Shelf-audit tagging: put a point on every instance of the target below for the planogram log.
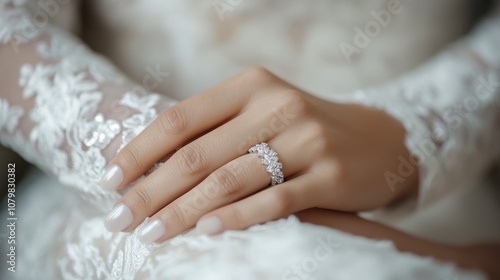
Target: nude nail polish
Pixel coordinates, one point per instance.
(209, 225)
(119, 218)
(112, 178)
(152, 231)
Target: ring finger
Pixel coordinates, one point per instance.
(234, 181)
(186, 168)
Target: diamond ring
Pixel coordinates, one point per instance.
(270, 160)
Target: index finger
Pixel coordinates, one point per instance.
(176, 126)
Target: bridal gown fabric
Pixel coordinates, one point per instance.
(68, 111)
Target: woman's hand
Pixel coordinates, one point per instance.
(334, 156)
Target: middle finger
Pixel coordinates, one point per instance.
(186, 168)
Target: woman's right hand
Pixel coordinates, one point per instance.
(333, 156)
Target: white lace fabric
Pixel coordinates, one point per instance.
(67, 129)
(69, 111)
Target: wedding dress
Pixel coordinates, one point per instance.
(68, 111)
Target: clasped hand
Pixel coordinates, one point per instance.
(334, 157)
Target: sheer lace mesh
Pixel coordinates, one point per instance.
(450, 108)
(69, 111)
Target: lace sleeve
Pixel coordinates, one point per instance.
(450, 108)
(62, 107)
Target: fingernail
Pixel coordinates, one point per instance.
(112, 178)
(209, 225)
(119, 218)
(153, 230)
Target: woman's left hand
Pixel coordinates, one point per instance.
(334, 156)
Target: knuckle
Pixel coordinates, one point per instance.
(319, 137)
(293, 101)
(129, 158)
(177, 214)
(334, 172)
(173, 120)
(191, 159)
(229, 180)
(259, 73)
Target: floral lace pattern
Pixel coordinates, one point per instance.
(66, 97)
(13, 15)
(137, 122)
(65, 120)
(66, 132)
(455, 140)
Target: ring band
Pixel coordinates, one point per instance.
(270, 160)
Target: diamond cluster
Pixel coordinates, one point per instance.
(271, 161)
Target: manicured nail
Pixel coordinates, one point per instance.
(119, 218)
(209, 225)
(112, 178)
(153, 230)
